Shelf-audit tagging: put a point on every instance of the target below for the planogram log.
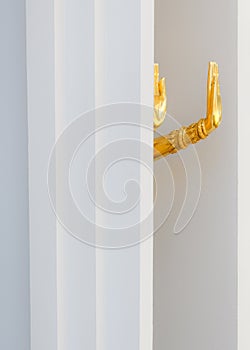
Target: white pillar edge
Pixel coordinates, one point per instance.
(243, 176)
(132, 301)
(41, 137)
(59, 83)
(147, 136)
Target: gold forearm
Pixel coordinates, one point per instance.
(179, 139)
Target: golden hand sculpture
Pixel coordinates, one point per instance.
(160, 98)
(183, 137)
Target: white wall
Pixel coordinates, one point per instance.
(14, 247)
(243, 175)
(195, 305)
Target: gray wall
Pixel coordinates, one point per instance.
(14, 247)
(195, 271)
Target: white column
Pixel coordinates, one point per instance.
(82, 54)
(124, 73)
(60, 67)
(74, 95)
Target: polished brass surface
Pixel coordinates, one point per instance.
(180, 139)
(160, 98)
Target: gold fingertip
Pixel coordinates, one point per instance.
(156, 69)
